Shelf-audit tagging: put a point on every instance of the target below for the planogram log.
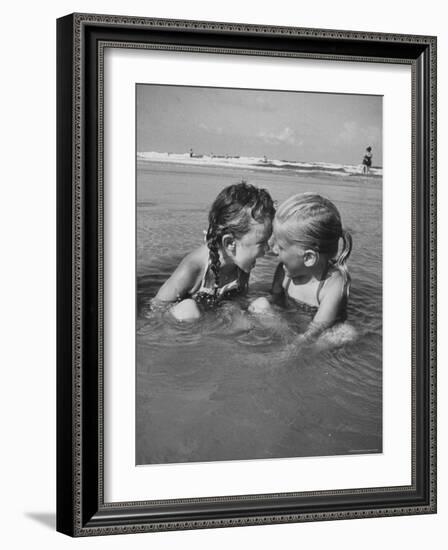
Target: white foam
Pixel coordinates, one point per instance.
(254, 163)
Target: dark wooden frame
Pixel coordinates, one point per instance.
(81, 510)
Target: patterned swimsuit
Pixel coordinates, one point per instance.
(207, 296)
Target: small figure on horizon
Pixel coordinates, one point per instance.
(367, 160)
(191, 152)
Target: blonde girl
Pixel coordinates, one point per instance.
(313, 249)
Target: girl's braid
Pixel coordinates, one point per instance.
(213, 242)
(232, 212)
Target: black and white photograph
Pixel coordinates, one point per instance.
(221, 289)
(258, 274)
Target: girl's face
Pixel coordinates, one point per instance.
(291, 255)
(252, 245)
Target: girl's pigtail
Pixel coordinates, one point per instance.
(341, 262)
(213, 246)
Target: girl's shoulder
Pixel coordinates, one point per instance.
(185, 278)
(196, 259)
(334, 284)
(191, 268)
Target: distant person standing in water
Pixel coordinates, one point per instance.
(367, 160)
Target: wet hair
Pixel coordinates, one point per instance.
(233, 211)
(314, 222)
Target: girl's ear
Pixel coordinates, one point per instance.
(228, 242)
(310, 258)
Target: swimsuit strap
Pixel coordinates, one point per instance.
(220, 290)
(204, 276)
(322, 282)
(288, 282)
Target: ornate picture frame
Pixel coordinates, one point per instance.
(81, 506)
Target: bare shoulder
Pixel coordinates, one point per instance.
(194, 261)
(191, 267)
(185, 277)
(334, 284)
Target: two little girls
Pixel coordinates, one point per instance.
(308, 239)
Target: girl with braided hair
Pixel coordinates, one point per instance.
(240, 224)
(312, 275)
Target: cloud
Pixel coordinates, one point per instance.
(287, 135)
(349, 132)
(264, 103)
(353, 133)
(212, 130)
(373, 135)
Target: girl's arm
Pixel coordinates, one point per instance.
(277, 290)
(263, 304)
(332, 298)
(277, 298)
(181, 282)
(330, 306)
(331, 302)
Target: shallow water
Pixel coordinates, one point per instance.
(224, 388)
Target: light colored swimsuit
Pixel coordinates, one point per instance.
(307, 308)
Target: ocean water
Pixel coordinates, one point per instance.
(224, 388)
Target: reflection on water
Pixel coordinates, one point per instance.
(225, 388)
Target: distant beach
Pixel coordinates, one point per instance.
(257, 163)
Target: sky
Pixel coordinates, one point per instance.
(298, 126)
